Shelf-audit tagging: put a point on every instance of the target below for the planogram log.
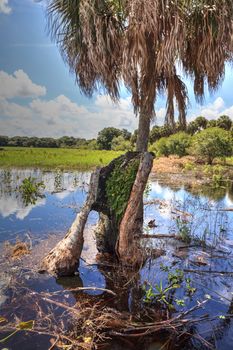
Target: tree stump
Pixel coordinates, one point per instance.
(116, 192)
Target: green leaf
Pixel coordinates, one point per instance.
(26, 325)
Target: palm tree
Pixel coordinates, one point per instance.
(142, 43)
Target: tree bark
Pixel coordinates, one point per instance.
(63, 260)
(127, 246)
(143, 132)
(142, 146)
(106, 233)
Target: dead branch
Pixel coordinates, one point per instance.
(160, 235)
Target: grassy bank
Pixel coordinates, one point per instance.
(50, 158)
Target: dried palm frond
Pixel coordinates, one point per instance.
(107, 42)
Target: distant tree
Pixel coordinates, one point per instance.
(212, 143)
(119, 143)
(66, 141)
(105, 137)
(166, 131)
(33, 142)
(198, 124)
(201, 122)
(80, 143)
(192, 128)
(212, 123)
(224, 122)
(126, 134)
(92, 144)
(155, 134)
(134, 137)
(16, 141)
(47, 142)
(4, 140)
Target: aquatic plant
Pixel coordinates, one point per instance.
(58, 181)
(183, 230)
(159, 292)
(30, 190)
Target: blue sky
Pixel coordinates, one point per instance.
(38, 96)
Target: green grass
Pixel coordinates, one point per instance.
(229, 161)
(50, 158)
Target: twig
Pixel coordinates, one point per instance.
(159, 235)
(54, 343)
(209, 271)
(64, 306)
(78, 289)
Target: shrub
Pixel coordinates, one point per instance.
(212, 143)
(175, 144)
(179, 143)
(160, 147)
(189, 166)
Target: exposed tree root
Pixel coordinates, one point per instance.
(64, 258)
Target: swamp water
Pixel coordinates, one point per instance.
(200, 265)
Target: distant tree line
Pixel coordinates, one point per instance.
(119, 139)
(48, 142)
(108, 138)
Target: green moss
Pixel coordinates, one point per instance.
(119, 185)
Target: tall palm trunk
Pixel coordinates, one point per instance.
(131, 225)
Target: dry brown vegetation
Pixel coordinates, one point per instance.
(171, 164)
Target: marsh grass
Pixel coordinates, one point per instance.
(50, 158)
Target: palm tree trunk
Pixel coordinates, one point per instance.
(143, 132)
(142, 146)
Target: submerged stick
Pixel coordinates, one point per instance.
(160, 235)
(209, 271)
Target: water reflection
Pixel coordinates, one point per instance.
(63, 193)
(62, 184)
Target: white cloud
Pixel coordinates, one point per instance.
(61, 116)
(218, 103)
(160, 116)
(4, 7)
(12, 205)
(214, 110)
(19, 85)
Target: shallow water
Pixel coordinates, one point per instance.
(205, 215)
